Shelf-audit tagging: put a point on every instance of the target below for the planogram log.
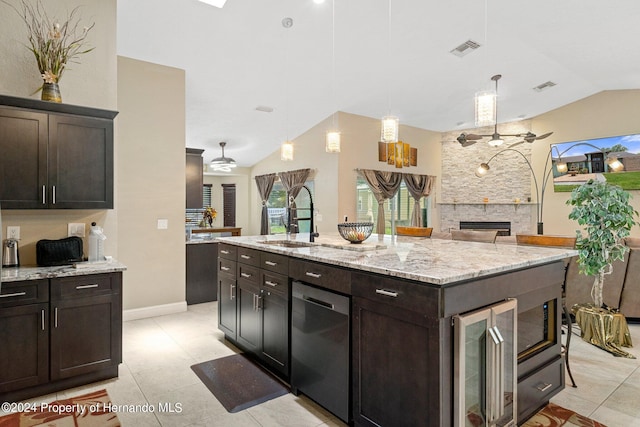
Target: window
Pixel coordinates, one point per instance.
(277, 207)
(401, 205)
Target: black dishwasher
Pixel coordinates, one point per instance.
(320, 347)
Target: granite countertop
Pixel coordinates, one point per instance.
(14, 274)
(429, 260)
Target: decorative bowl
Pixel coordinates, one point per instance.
(355, 232)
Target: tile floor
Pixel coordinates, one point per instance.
(158, 353)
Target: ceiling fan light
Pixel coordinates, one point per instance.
(495, 142)
(332, 142)
(286, 151)
(389, 131)
(222, 163)
(486, 108)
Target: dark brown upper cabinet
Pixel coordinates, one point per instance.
(194, 178)
(55, 156)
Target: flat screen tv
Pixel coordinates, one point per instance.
(576, 162)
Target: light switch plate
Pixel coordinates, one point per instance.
(163, 224)
(13, 232)
(75, 229)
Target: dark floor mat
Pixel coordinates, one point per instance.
(237, 382)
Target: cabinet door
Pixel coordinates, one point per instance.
(227, 311)
(275, 330)
(80, 162)
(23, 159)
(201, 273)
(86, 335)
(249, 316)
(396, 366)
(193, 173)
(24, 353)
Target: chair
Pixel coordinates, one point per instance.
(486, 236)
(558, 242)
(414, 231)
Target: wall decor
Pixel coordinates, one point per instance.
(398, 153)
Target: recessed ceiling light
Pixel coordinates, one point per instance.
(465, 48)
(544, 86)
(216, 3)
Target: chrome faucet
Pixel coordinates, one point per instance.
(312, 234)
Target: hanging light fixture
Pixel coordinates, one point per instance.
(332, 138)
(486, 108)
(390, 124)
(223, 164)
(286, 151)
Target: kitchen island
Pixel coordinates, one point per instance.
(406, 295)
(61, 327)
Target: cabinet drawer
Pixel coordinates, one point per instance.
(538, 387)
(410, 296)
(82, 286)
(248, 273)
(248, 256)
(274, 262)
(226, 266)
(24, 292)
(321, 275)
(276, 283)
(226, 251)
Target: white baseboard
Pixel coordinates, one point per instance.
(153, 311)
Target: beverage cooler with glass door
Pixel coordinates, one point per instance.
(485, 366)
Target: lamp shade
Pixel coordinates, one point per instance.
(286, 151)
(389, 132)
(332, 142)
(495, 142)
(486, 108)
(482, 170)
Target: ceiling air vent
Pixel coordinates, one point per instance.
(544, 86)
(465, 48)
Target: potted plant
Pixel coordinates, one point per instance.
(607, 217)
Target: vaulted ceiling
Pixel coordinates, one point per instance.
(374, 57)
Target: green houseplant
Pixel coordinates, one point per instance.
(607, 217)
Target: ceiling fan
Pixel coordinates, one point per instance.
(467, 139)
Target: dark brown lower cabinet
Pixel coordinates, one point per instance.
(394, 355)
(275, 322)
(248, 332)
(227, 309)
(59, 333)
(201, 272)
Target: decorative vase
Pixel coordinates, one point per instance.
(51, 92)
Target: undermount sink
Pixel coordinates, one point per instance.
(287, 243)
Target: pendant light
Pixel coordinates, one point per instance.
(486, 102)
(286, 148)
(390, 124)
(332, 138)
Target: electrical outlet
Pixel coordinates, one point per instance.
(75, 229)
(13, 232)
(163, 224)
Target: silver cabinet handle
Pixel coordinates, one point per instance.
(544, 387)
(231, 294)
(271, 263)
(243, 256)
(222, 251)
(246, 275)
(223, 268)
(258, 302)
(387, 293)
(54, 195)
(15, 294)
(44, 195)
(86, 286)
(55, 317)
(42, 318)
(270, 283)
(314, 275)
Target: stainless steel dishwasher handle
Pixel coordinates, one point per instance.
(318, 302)
(387, 293)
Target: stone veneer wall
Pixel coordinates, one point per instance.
(510, 178)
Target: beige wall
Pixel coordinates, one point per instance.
(607, 113)
(151, 182)
(335, 176)
(89, 83)
(241, 178)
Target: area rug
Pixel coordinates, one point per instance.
(554, 416)
(237, 382)
(88, 410)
